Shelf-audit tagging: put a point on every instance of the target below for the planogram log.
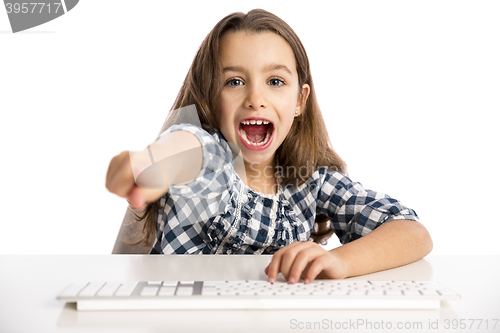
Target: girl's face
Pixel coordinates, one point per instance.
(260, 85)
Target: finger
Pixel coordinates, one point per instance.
(136, 198)
(316, 267)
(123, 181)
(302, 260)
(274, 266)
(114, 168)
(290, 255)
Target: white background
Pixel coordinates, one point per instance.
(408, 89)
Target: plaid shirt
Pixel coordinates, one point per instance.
(218, 214)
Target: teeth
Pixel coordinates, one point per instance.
(244, 136)
(253, 122)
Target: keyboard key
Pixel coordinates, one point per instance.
(412, 293)
(74, 289)
(258, 282)
(91, 289)
(126, 289)
(446, 292)
(375, 282)
(280, 283)
(170, 283)
(234, 283)
(154, 282)
(166, 291)
(406, 282)
(187, 282)
(149, 291)
(109, 289)
(209, 292)
(330, 282)
(214, 283)
(184, 291)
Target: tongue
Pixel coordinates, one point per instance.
(255, 133)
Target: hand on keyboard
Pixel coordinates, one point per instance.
(306, 260)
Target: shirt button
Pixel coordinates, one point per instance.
(262, 232)
(267, 202)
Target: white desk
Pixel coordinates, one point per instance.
(29, 285)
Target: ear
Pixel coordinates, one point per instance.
(302, 99)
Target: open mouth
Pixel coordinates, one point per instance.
(256, 132)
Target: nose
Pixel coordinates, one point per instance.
(256, 98)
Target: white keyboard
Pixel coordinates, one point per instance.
(259, 295)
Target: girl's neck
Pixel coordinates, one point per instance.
(261, 177)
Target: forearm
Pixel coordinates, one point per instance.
(394, 243)
(174, 159)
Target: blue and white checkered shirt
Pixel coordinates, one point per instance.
(218, 214)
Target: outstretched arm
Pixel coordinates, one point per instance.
(144, 176)
(392, 244)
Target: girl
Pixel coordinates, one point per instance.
(254, 97)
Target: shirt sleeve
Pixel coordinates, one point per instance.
(189, 209)
(214, 174)
(355, 211)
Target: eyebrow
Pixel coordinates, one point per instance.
(268, 68)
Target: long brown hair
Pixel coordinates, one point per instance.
(307, 143)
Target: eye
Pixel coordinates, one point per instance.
(276, 82)
(234, 82)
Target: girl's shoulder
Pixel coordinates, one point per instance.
(328, 174)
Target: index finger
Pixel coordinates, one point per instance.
(275, 265)
(122, 180)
